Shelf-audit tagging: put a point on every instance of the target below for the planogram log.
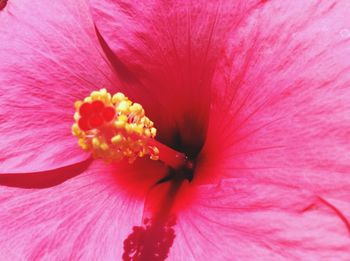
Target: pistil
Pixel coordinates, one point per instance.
(169, 156)
(113, 128)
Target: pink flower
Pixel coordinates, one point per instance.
(256, 93)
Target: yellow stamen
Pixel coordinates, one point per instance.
(124, 136)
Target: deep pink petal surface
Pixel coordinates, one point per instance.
(171, 48)
(280, 128)
(279, 124)
(287, 119)
(245, 219)
(87, 217)
(49, 58)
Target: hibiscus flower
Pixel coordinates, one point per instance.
(255, 94)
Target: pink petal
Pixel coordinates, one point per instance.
(246, 219)
(282, 107)
(49, 58)
(283, 141)
(280, 130)
(172, 49)
(87, 217)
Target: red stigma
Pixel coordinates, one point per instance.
(83, 124)
(96, 121)
(108, 113)
(97, 106)
(85, 109)
(94, 115)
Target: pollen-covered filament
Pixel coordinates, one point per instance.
(113, 128)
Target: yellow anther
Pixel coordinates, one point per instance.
(108, 98)
(88, 99)
(76, 131)
(125, 134)
(76, 116)
(138, 129)
(118, 97)
(121, 121)
(95, 95)
(123, 118)
(83, 144)
(153, 132)
(117, 139)
(77, 105)
(105, 97)
(95, 142)
(119, 124)
(123, 106)
(136, 107)
(128, 128)
(147, 133)
(104, 146)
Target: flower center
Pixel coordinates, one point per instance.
(113, 128)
